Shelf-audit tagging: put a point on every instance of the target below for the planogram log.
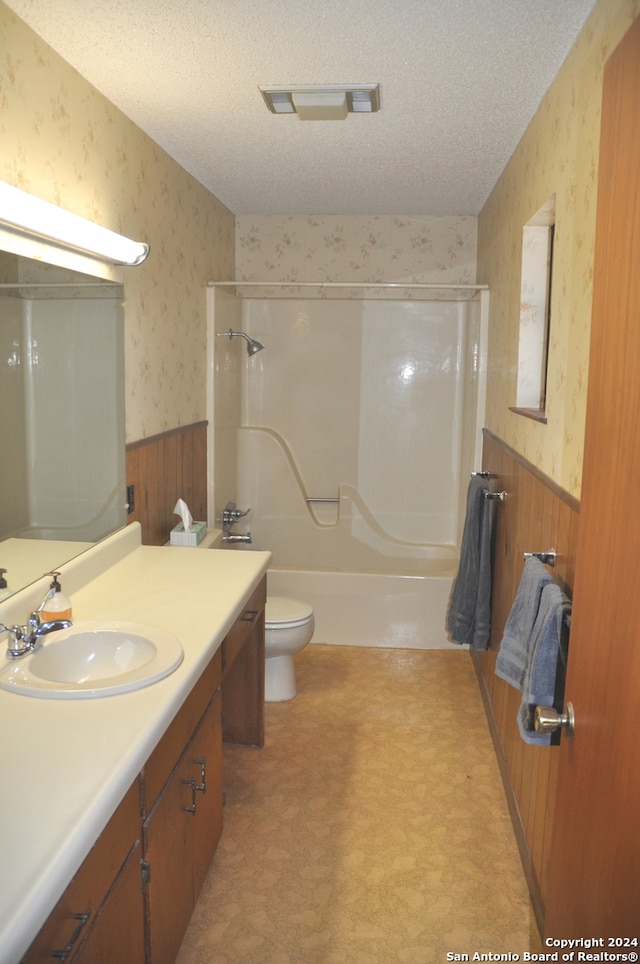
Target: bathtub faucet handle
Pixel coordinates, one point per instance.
(231, 514)
(241, 513)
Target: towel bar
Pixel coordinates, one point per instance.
(548, 558)
(482, 475)
(496, 496)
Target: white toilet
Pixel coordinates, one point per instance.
(289, 626)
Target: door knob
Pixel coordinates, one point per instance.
(548, 720)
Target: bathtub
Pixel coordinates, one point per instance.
(382, 610)
(388, 592)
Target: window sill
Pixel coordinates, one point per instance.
(537, 414)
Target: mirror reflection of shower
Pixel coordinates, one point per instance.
(253, 346)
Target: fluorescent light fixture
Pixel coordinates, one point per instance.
(320, 105)
(323, 101)
(26, 214)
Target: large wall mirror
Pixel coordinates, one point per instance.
(62, 433)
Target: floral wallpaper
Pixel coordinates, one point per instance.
(63, 141)
(360, 249)
(558, 154)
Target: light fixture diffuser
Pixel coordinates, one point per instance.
(322, 101)
(29, 215)
(320, 105)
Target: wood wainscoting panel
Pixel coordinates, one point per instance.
(163, 469)
(537, 516)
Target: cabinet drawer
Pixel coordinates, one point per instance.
(74, 914)
(164, 758)
(243, 625)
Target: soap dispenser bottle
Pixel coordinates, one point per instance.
(57, 605)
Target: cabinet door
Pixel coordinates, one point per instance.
(118, 932)
(168, 843)
(204, 756)
(181, 835)
(243, 689)
(165, 757)
(86, 899)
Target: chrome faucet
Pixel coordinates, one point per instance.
(230, 516)
(28, 638)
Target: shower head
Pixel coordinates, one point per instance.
(253, 346)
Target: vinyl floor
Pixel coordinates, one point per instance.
(372, 827)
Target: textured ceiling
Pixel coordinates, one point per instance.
(459, 79)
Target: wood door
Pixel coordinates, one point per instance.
(595, 861)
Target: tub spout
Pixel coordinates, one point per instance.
(236, 537)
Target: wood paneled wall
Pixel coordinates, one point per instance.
(538, 515)
(163, 469)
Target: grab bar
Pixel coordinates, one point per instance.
(331, 501)
(548, 558)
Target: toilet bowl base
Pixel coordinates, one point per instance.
(279, 679)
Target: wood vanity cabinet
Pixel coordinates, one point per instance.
(243, 671)
(100, 917)
(182, 811)
(134, 895)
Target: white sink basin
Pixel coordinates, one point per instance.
(94, 659)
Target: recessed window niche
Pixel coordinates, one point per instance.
(535, 312)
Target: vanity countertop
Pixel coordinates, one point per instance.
(67, 764)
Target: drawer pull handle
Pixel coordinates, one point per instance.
(192, 784)
(249, 615)
(64, 953)
(203, 775)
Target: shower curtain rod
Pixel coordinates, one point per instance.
(348, 284)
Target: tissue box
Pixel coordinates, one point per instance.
(192, 536)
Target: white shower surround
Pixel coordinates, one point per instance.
(379, 403)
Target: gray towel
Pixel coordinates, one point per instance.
(514, 655)
(540, 679)
(469, 613)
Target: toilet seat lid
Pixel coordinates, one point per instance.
(284, 611)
